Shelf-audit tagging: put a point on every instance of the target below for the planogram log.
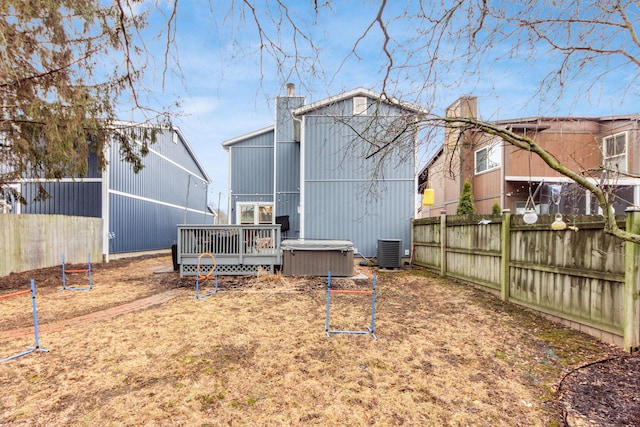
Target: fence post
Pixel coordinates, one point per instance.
(631, 313)
(505, 254)
(443, 243)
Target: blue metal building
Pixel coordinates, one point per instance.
(323, 170)
(140, 211)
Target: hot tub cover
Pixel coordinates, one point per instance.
(316, 245)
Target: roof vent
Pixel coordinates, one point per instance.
(389, 253)
(359, 105)
(291, 89)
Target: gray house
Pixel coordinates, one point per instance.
(140, 211)
(324, 170)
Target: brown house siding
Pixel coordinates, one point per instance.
(575, 141)
(487, 190)
(575, 144)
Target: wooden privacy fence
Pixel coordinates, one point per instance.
(30, 241)
(581, 277)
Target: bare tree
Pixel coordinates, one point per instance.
(430, 47)
(437, 45)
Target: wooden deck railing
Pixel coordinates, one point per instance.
(238, 249)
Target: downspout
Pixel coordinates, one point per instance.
(503, 199)
(301, 161)
(636, 147)
(415, 176)
(106, 220)
(230, 218)
(302, 176)
(275, 162)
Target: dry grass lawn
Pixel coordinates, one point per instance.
(256, 354)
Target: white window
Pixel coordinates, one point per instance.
(10, 203)
(488, 158)
(615, 152)
(254, 213)
(359, 105)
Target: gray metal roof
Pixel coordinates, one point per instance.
(182, 138)
(229, 142)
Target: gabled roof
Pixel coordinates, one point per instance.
(182, 138)
(229, 142)
(423, 175)
(433, 158)
(353, 93)
(192, 154)
(328, 101)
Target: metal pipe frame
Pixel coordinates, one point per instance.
(85, 270)
(30, 349)
(370, 329)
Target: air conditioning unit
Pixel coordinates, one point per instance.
(389, 253)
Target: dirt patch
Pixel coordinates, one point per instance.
(256, 354)
(603, 393)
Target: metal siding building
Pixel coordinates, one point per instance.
(349, 197)
(140, 211)
(67, 198)
(145, 208)
(287, 164)
(321, 178)
(251, 178)
(75, 197)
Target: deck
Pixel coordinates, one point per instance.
(238, 249)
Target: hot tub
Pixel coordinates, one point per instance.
(317, 257)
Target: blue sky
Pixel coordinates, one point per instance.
(226, 90)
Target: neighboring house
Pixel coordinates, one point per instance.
(501, 173)
(140, 211)
(322, 171)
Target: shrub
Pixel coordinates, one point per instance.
(495, 209)
(466, 205)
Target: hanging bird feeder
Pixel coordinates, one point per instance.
(530, 216)
(558, 224)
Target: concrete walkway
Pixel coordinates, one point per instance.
(96, 316)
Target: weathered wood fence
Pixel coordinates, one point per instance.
(29, 241)
(581, 277)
